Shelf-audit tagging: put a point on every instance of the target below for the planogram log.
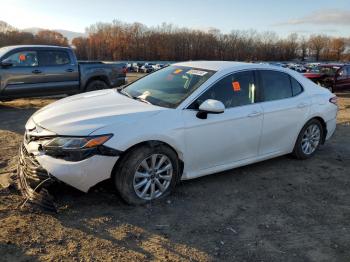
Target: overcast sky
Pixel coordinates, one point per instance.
(330, 17)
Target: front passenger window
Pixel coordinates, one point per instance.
(23, 59)
(234, 90)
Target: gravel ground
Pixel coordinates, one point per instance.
(277, 210)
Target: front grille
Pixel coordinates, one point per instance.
(31, 167)
(31, 178)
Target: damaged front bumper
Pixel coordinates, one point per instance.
(36, 171)
(31, 179)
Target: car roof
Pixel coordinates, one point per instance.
(35, 46)
(223, 65)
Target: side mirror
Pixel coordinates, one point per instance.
(210, 106)
(6, 63)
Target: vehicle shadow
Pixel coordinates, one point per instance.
(9, 250)
(146, 232)
(170, 224)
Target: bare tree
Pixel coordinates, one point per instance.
(338, 47)
(316, 44)
(303, 47)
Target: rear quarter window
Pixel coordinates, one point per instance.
(296, 87)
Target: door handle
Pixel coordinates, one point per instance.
(69, 70)
(302, 105)
(255, 114)
(36, 71)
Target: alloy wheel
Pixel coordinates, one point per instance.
(311, 139)
(153, 176)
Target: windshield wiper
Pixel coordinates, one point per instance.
(142, 100)
(121, 91)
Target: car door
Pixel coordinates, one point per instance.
(21, 79)
(59, 73)
(342, 79)
(223, 139)
(285, 108)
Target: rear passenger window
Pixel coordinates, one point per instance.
(235, 90)
(276, 85)
(53, 58)
(296, 87)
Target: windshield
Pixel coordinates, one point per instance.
(169, 86)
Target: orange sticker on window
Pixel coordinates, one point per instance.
(177, 71)
(236, 86)
(22, 57)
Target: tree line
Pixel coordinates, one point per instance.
(124, 41)
(11, 36)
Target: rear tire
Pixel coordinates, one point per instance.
(96, 85)
(309, 140)
(138, 186)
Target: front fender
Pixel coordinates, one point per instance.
(165, 126)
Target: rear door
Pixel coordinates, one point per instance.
(285, 107)
(22, 78)
(59, 73)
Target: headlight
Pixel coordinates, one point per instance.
(71, 143)
(78, 148)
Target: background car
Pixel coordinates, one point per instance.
(335, 77)
(147, 68)
(43, 70)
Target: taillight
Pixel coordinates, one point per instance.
(125, 70)
(334, 100)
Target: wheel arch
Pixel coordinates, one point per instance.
(94, 78)
(324, 126)
(150, 143)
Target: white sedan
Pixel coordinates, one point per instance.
(184, 121)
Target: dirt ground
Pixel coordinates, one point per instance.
(278, 210)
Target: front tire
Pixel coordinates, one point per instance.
(309, 140)
(147, 173)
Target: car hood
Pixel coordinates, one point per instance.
(82, 114)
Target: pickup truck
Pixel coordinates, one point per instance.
(335, 77)
(37, 70)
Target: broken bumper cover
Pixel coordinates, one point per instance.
(31, 178)
(36, 173)
(81, 175)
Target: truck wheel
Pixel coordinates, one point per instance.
(96, 85)
(147, 173)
